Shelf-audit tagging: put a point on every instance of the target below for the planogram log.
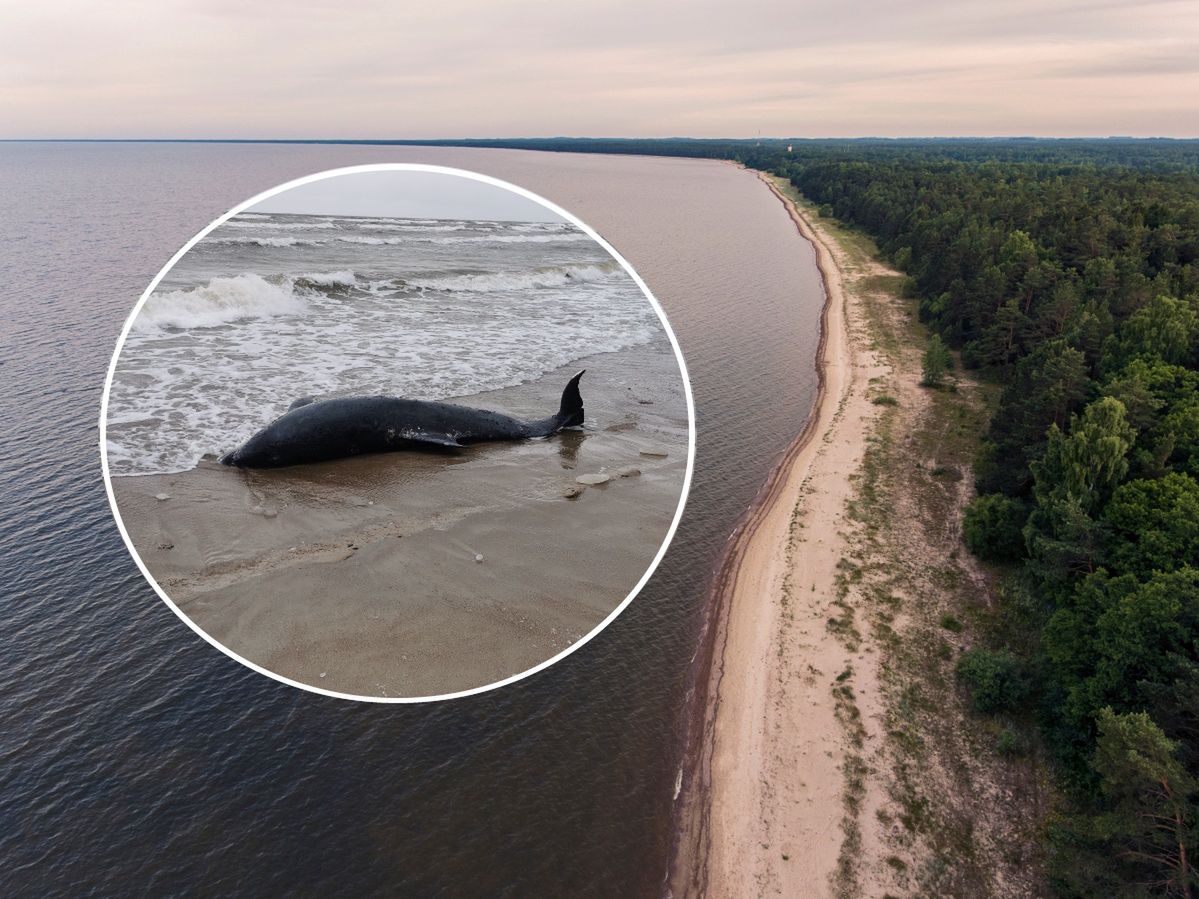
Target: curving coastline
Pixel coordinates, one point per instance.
(708, 845)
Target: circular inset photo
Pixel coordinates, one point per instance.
(397, 433)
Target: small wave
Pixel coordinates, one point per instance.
(557, 276)
(374, 241)
(323, 225)
(225, 300)
(265, 241)
(344, 278)
(564, 237)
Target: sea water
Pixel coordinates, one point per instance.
(135, 758)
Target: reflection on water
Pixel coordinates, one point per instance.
(137, 758)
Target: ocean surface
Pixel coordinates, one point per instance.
(269, 307)
(134, 758)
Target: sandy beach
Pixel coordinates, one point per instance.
(774, 762)
(361, 576)
(835, 756)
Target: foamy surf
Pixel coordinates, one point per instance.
(259, 317)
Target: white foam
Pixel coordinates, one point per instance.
(343, 278)
(322, 225)
(555, 276)
(266, 241)
(220, 301)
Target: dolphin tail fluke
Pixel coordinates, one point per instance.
(570, 412)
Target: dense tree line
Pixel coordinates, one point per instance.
(1077, 286)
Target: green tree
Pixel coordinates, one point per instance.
(1071, 483)
(1164, 328)
(1047, 387)
(1151, 819)
(1154, 524)
(1088, 464)
(937, 362)
(1117, 642)
(993, 527)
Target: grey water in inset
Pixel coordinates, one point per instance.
(420, 308)
(135, 758)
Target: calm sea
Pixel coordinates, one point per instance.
(136, 759)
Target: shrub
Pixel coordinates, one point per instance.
(993, 527)
(996, 680)
(1009, 743)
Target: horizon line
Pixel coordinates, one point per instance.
(563, 137)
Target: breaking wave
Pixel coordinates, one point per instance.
(225, 300)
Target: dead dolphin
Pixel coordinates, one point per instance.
(313, 431)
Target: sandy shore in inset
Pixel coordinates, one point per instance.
(769, 782)
(360, 576)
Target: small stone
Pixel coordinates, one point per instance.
(573, 491)
(593, 479)
(166, 546)
(270, 513)
(629, 472)
(478, 557)
(323, 673)
(162, 496)
(655, 451)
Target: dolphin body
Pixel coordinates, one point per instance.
(332, 429)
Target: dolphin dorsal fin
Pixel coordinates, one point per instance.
(302, 401)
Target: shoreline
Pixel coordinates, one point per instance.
(689, 870)
(831, 751)
(731, 751)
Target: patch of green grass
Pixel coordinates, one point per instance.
(885, 399)
(950, 623)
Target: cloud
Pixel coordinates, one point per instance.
(457, 68)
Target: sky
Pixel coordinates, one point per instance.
(408, 194)
(628, 68)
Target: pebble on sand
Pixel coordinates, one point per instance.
(572, 491)
(654, 451)
(478, 557)
(629, 472)
(162, 496)
(592, 479)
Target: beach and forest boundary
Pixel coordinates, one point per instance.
(837, 756)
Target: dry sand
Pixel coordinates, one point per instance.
(774, 780)
(361, 576)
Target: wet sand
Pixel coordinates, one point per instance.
(361, 576)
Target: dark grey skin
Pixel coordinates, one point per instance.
(332, 429)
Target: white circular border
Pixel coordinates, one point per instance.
(400, 167)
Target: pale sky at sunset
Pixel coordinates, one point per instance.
(479, 68)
